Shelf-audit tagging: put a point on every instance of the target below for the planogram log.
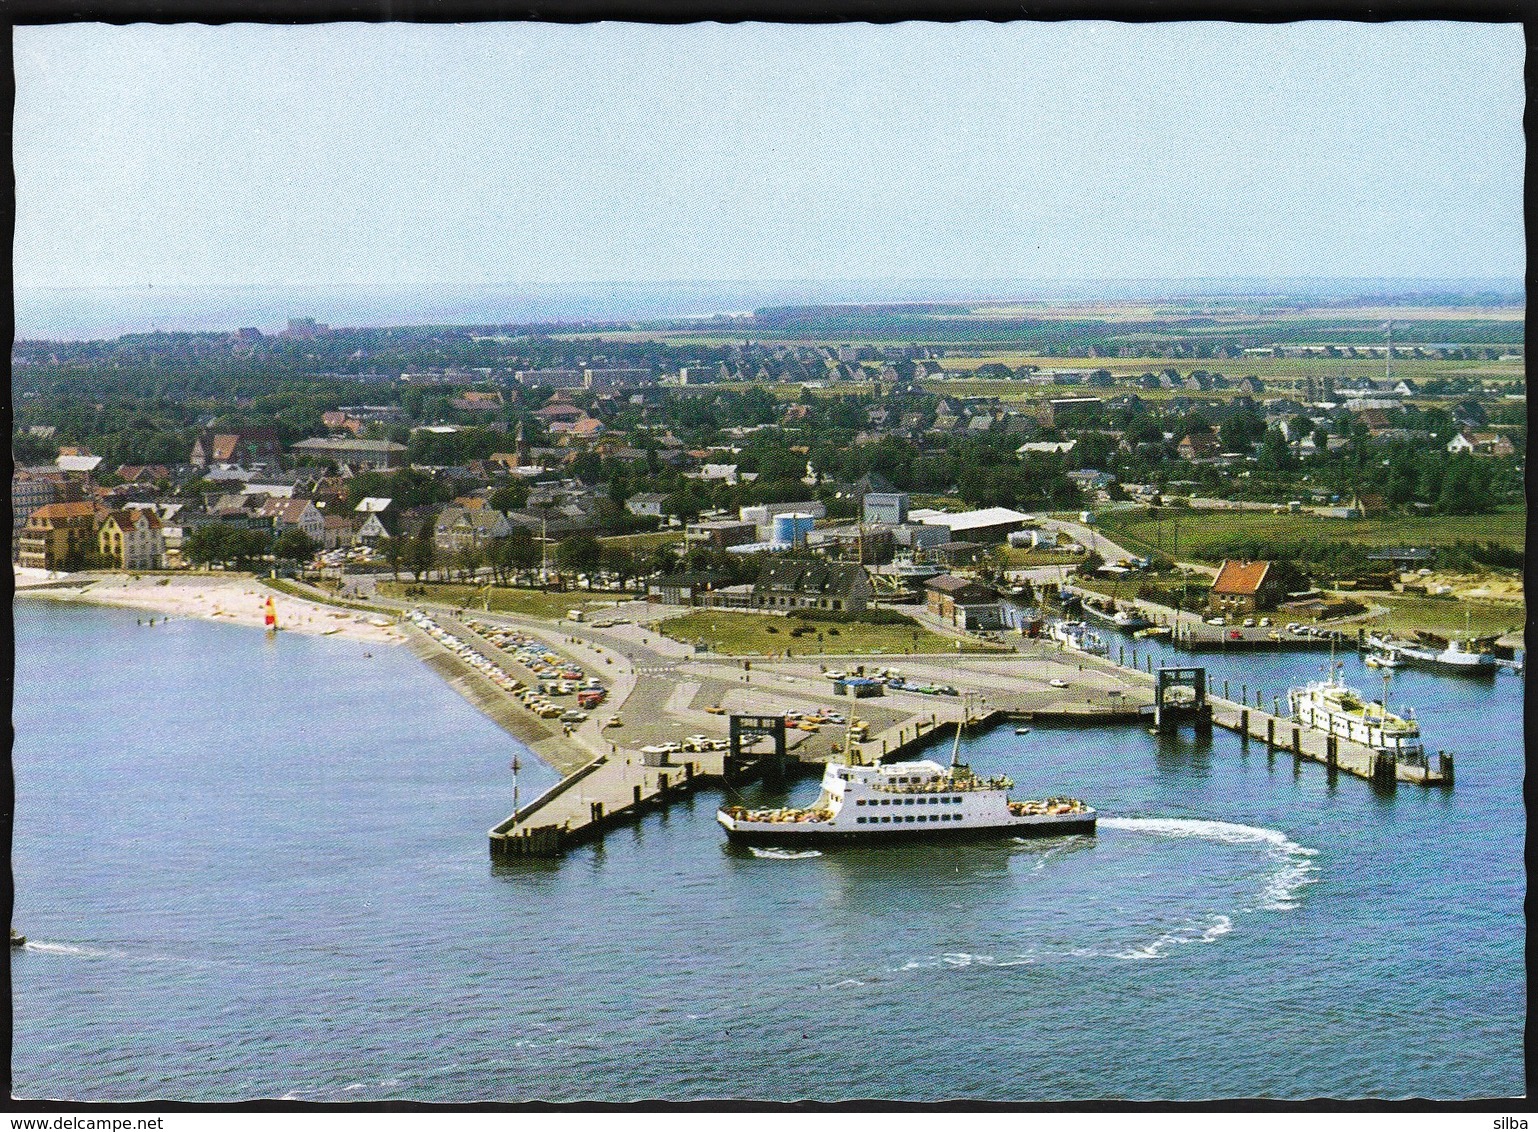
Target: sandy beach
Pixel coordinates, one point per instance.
(236, 599)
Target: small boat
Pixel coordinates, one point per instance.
(1382, 660)
(17, 939)
(1022, 731)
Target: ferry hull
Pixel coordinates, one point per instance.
(788, 835)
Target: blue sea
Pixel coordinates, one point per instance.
(257, 868)
(87, 313)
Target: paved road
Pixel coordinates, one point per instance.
(1091, 538)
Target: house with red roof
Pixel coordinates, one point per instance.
(1244, 587)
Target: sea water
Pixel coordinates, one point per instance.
(257, 867)
(70, 313)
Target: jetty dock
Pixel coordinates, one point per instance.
(1250, 720)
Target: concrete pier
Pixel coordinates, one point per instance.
(609, 791)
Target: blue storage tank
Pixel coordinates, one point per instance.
(792, 527)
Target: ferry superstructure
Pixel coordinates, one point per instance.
(918, 800)
(1332, 707)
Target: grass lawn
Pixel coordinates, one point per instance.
(1267, 369)
(1200, 531)
(648, 540)
(529, 603)
(1446, 615)
(305, 593)
(766, 634)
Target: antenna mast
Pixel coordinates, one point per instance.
(966, 712)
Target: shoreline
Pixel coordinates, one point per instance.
(238, 599)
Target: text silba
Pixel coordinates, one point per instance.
(1508, 1123)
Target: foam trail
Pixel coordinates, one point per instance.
(784, 854)
(1218, 925)
(71, 949)
(1053, 852)
(80, 952)
(958, 959)
(1281, 888)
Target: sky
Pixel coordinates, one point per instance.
(356, 154)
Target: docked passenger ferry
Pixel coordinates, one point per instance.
(920, 800)
(1332, 707)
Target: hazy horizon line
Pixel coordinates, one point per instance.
(1078, 281)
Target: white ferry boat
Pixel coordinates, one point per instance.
(1078, 636)
(1332, 707)
(919, 800)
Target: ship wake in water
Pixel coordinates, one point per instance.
(1295, 867)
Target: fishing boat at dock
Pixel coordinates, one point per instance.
(1078, 636)
(1438, 654)
(1123, 620)
(906, 801)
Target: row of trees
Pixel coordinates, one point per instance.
(225, 544)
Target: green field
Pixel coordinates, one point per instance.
(502, 599)
(1267, 369)
(649, 540)
(1200, 531)
(1019, 557)
(765, 634)
(1446, 615)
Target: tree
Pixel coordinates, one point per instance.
(580, 554)
(620, 562)
(207, 544)
(467, 560)
(392, 550)
(509, 497)
(1275, 453)
(295, 544)
(587, 467)
(421, 552)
